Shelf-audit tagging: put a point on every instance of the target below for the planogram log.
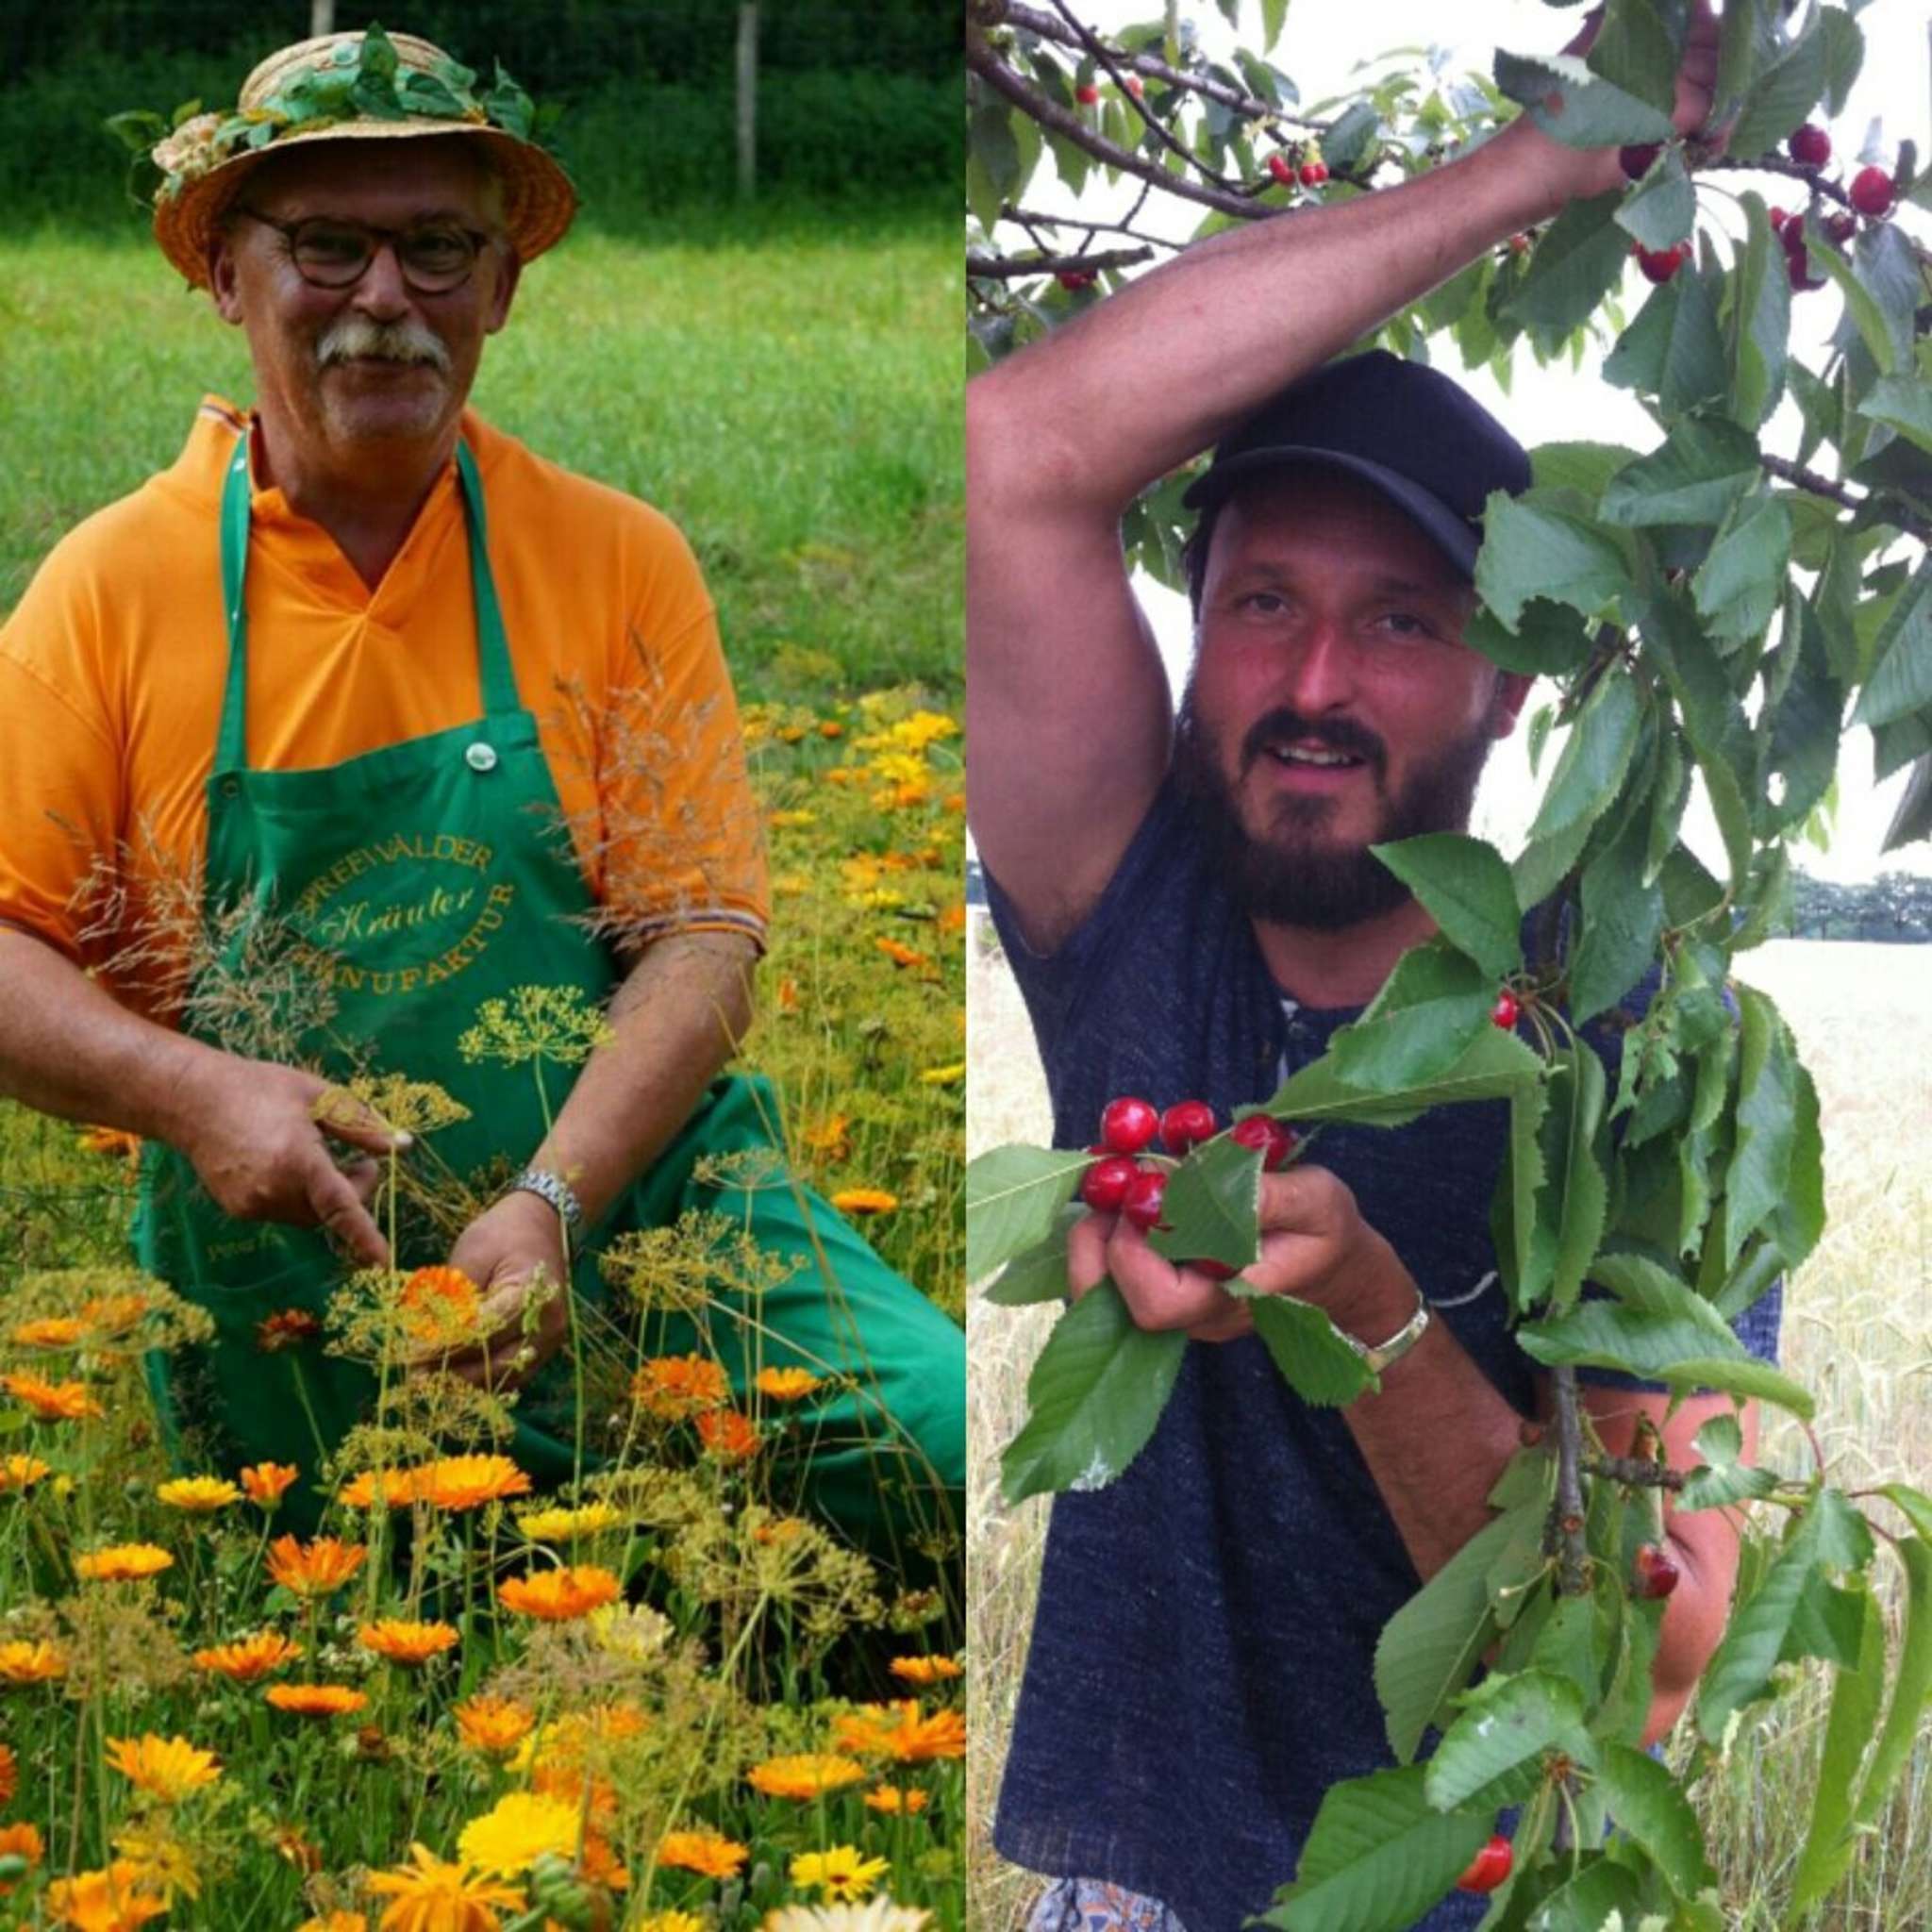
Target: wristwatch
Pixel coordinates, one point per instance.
(1398, 1345)
(558, 1191)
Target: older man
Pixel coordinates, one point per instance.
(402, 751)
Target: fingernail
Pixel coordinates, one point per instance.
(402, 1140)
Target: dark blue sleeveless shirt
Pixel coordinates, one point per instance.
(1200, 1668)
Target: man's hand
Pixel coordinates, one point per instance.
(1315, 1245)
(257, 1134)
(514, 1253)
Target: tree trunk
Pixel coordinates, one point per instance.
(747, 99)
(322, 17)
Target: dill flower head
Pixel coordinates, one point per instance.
(878, 1915)
(108, 1901)
(555, 1596)
(439, 1306)
(805, 1774)
(288, 1329)
(316, 1700)
(924, 1670)
(314, 1569)
(495, 1725)
(787, 1385)
(433, 1896)
(110, 1316)
(51, 1331)
(727, 1434)
(52, 1402)
(678, 1386)
(394, 1488)
(550, 1022)
(561, 1526)
(864, 1201)
(518, 1831)
(895, 1799)
(710, 1853)
(31, 1663)
(249, 1660)
(266, 1483)
(404, 1642)
(840, 1872)
(21, 1473)
(197, 1496)
(165, 1768)
(467, 1482)
(122, 1563)
(633, 1632)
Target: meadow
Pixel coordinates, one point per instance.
(1856, 1332)
(670, 1697)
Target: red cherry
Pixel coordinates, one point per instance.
(1143, 1204)
(1797, 264)
(1214, 1270)
(1282, 169)
(1186, 1124)
(1809, 146)
(1489, 1868)
(1505, 1011)
(1127, 1124)
(1135, 86)
(1840, 227)
(1778, 218)
(1311, 173)
(1657, 1574)
(1087, 95)
(1660, 265)
(1275, 1139)
(1519, 245)
(1871, 191)
(1635, 161)
(1074, 279)
(1104, 1186)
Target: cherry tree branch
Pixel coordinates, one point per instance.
(1788, 471)
(1000, 268)
(1565, 1513)
(1030, 219)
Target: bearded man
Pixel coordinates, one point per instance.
(1192, 912)
(409, 754)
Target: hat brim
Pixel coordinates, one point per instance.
(1452, 536)
(539, 200)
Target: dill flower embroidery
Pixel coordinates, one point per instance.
(840, 1872)
(550, 1023)
(518, 1831)
(165, 1768)
(432, 1895)
(467, 1482)
(21, 1473)
(52, 1402)
(122, 1563)
(290, 1329)
(406, 1643)
(108, 1901)
(316, 1700)
(805, 1774)
(197, 1496)
(439, 1306)
(924, 1670)
(561, 1526)
(31, 1663)
(864, 1201)
(709, 1853)
(54, 1331)
(494, 1726)
(895, 1799)
(315, 1569)
(249, 1660)
(787, 1385)
(267, 1482)
(678, 1386)
(728, 1435)
(555, 1596)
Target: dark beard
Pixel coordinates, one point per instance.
(1295, 877)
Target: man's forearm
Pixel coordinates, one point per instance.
(674, 1022)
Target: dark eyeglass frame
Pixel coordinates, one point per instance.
(376, 238)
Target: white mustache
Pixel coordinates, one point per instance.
(356, 337)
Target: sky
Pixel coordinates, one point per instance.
(1320, 46)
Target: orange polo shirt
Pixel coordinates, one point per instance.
(112, 673)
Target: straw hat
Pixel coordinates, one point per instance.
(354, 87)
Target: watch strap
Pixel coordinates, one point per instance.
(553, 1188)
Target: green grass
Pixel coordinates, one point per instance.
(788, 395)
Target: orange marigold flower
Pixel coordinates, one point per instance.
(439, 1306)
(165, 1768)
(864, 1201)
(677, 1386)
(322, 1566)
(52, 1331)
(780, 1529)
(336, 1922)
(896, 1798)
(114, 1140)
(907, 1737)
(406, 1643)
(198, 1495)
(727, 1434)
(122, 1563)
(109, 1901)
(555, 1596)
(708, 1852)
(9, 1772)
(806, 1775)
(53, 1401)
(924, 1670)
(787, 1385)
(266, 1482)
(467, 1482)
(21, 1471)
(290, 1329)
(396, 1488)
(21, 1840)
(901, 956)
(108, 1316)
(830, 727)
(316, 1700)
(433, 1896)
(251, 1659)
(494, 1724)
(31, 1663)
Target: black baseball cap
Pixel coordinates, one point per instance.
(1435, 451)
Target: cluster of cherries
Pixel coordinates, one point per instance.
(1088, 95)
(1311, 173)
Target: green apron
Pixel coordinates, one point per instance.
(428, 877)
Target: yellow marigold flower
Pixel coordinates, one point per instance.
(787, 821)
(289, 1328)
(708, 1852)
(316, 1700)
(317, 1569)
(162, 1861)
(494, 1724)
(109, 1901)
(728, 1435)
(830, 1137)
(22, 1840)
(806, 1774)
(198, 1495)
(467, 1482)
(948, 1075)
(267, 1482)
(840, 1872)
(673, 1921)
(779, 1529)
(122, 1563)
(677, 1386)
(397, 1488)
(864, 1201)
(52, 1402)
(439, 1306)
(52, 1331)
(562, 1526)
(896, 1798)
(21, 1471)
(406, 1643)
(518, 1831)
(165, 1768)
(31, 1663)
(336, 1922)
(907, 1737)
(250, 1659)
(633, 1632)
(433, 1897)
(787, 1385)
(555, 1596)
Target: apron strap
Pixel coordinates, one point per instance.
(496, 675)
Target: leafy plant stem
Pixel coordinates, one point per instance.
(1573, 1573)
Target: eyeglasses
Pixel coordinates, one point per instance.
(330, 252)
